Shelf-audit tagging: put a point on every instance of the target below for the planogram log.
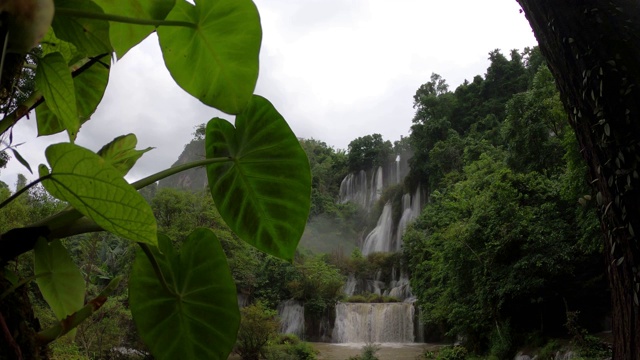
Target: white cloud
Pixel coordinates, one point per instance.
(336, 70)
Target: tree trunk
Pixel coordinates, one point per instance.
(593, 49)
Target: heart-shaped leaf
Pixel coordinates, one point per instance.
(59, 279)
(89, 87)
(121, 153)
(90, 36)
(196, 316)
(54, 80)
(216, 60)
(264, 193)
(125, 36)
(98, 191)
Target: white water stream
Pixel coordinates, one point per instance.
(377, 323)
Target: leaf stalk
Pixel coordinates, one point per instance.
(121, 19)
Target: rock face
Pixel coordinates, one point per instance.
(193, 179)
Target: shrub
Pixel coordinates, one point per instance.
(368, 353)
(278, 352)
(303, 351)
(356, 299)
(549, 350)
(296, 350)
(452, 353)
(501, 343)
(287, 339)
(371, 298)
(258, 325)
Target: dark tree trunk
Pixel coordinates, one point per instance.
(593, 49)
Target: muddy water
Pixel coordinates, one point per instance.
(388, 351)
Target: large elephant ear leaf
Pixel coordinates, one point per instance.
(216, 60)
(195, 316)
(264, 192)
(89, 35)
(97, 190)
(125, 36)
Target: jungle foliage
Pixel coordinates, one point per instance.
(508, 244)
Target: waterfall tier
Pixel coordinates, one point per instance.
(291, 313)
(378, 323)
(381, 237)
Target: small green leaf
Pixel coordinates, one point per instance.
(199, 317)
(90, 36)
(217, 61)
(121, 153)
(89, 87)
(21, 159)
(97, 190)
(54, 80)
(125, 36)
(59, 279)
(264, 193)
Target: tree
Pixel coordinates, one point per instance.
(183, 301)
(535, 126)
(368, 151)
(490, 254)
(593, 50)
(258, 326)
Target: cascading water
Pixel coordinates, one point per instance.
(379, 240)
(377, 185)
(359, 189)
(400, 288)
(411, 210)
(291, 314)
(379, 323)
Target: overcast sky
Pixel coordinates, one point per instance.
(335, 69)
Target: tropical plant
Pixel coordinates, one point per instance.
(183, 302)
(258, 327)
(368, 352)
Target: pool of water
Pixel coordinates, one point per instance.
(388, 351)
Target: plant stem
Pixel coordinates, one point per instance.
(70, 221)
(121, 19)
(72, 321)
(21, 283)
(36, 98)
(176, 169)
(21, 191)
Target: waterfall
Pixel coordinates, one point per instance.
(377, 184)
(398, 169)
(350, 287)
(353, 188)
(380, 238)
(359, 189)
(400, 288)
(411, 210)
(379, 323)
(291, 314)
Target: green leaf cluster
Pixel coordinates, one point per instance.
(182, 294)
